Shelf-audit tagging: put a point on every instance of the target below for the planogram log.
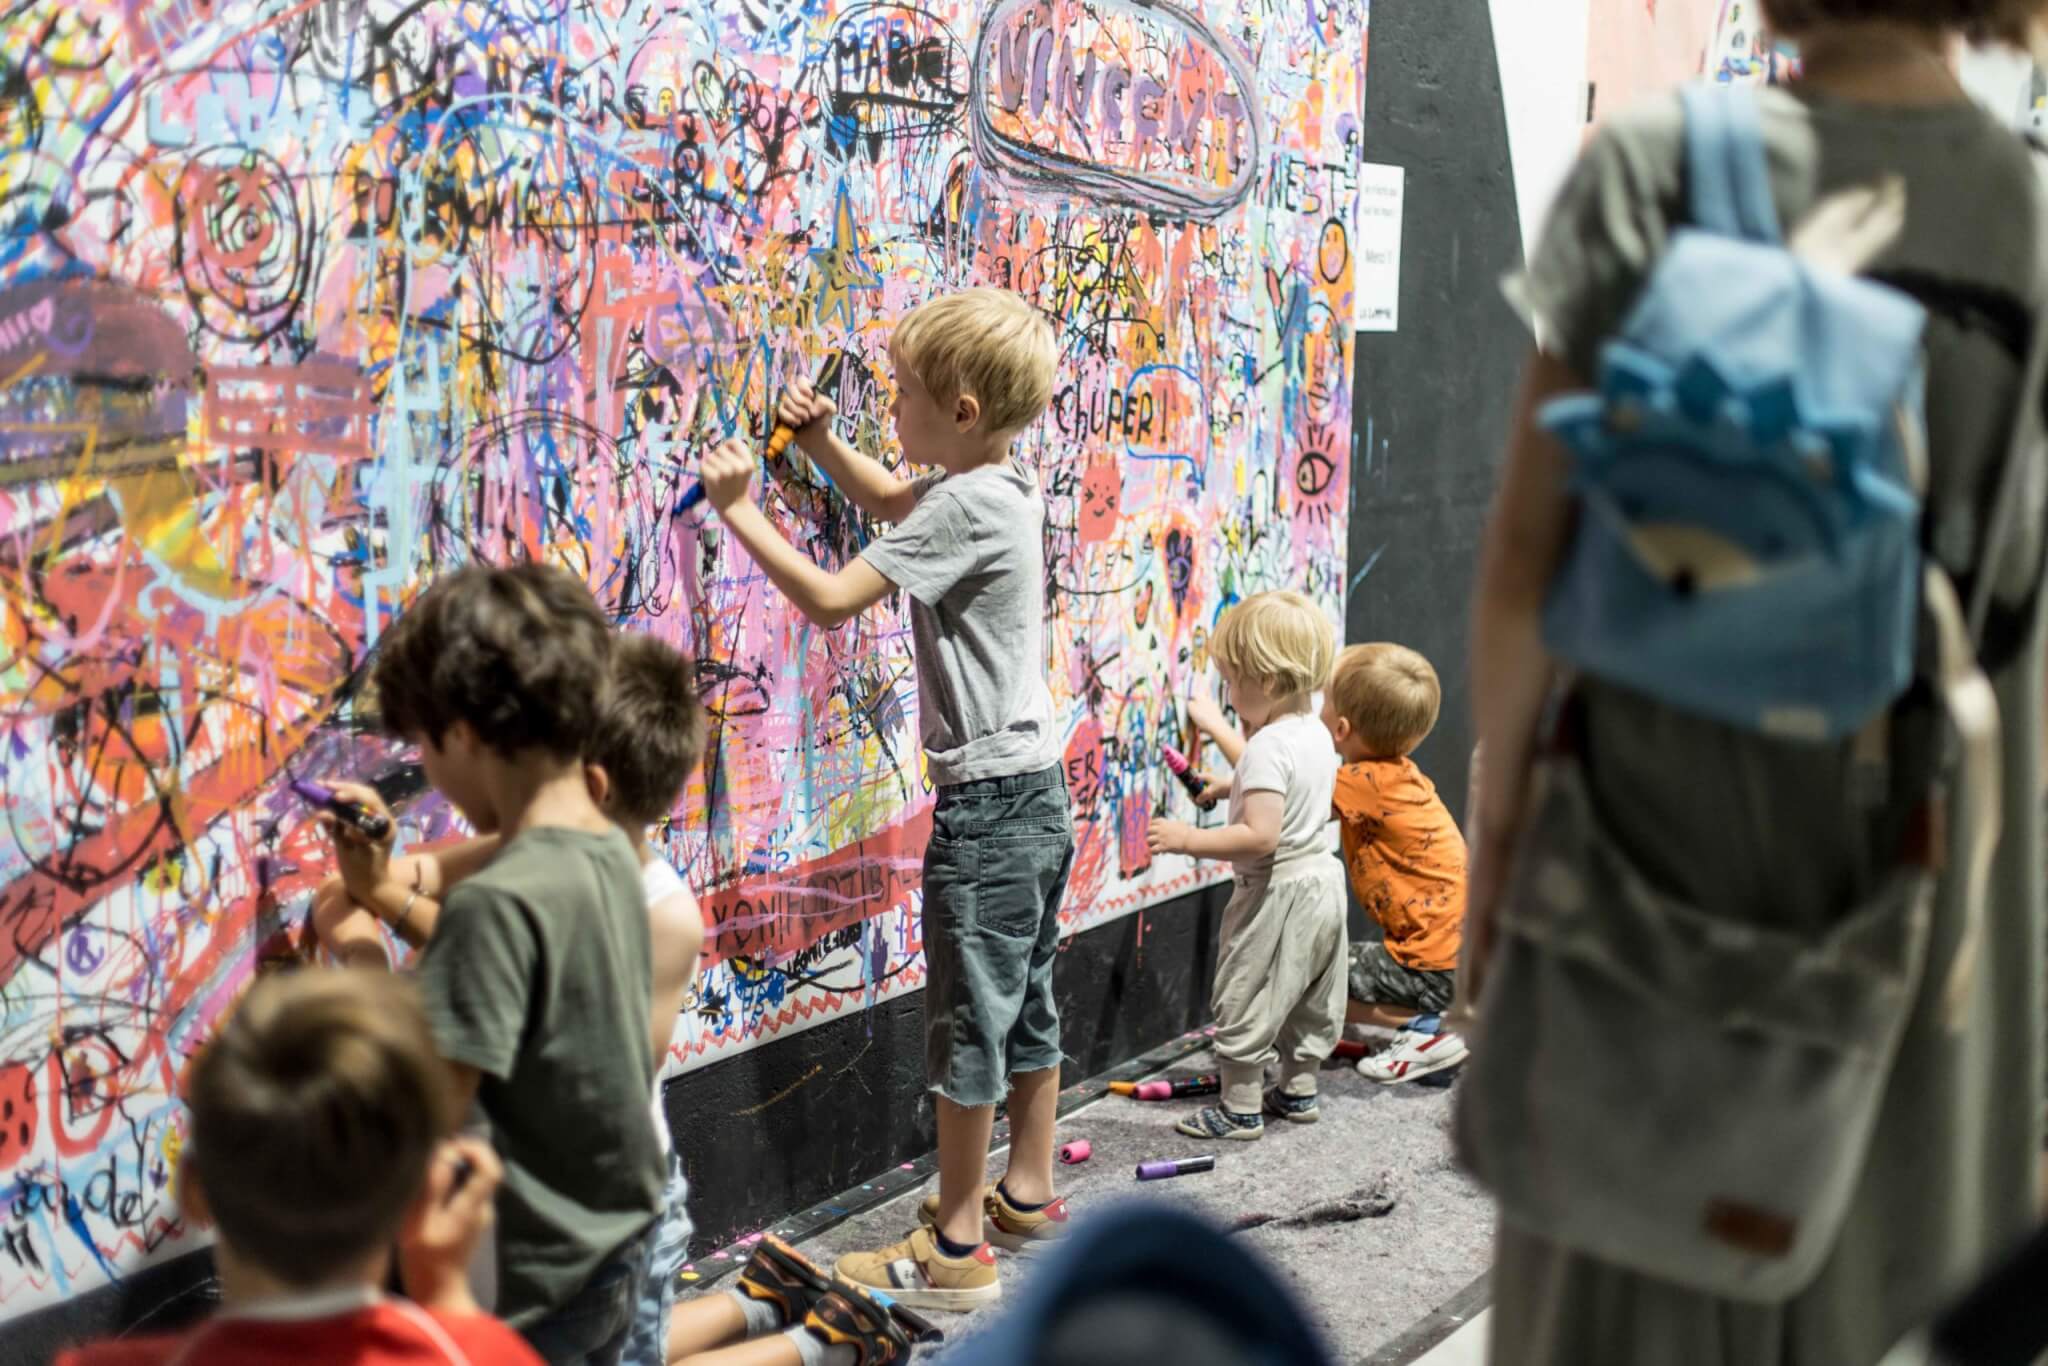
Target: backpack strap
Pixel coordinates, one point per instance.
(1965, 688)
(1725, 163)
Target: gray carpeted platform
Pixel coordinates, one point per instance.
(1365, 1282)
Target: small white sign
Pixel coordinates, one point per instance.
(1376, 268)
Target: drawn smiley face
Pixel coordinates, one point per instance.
(1101, 491)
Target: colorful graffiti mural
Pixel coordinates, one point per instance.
(304, 301)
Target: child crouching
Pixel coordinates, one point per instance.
(1404, 854)
(1280, 967)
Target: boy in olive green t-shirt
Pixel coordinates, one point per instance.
(535, 979)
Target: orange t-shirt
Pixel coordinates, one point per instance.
(1406, 859)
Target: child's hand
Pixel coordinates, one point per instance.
(449, 1218)
(727, 472)
(364, 863)
(1168, 837)
(1214, 789)
(1206, 715)
(801, 406)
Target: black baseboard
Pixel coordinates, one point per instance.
(786, 1126)
(792, 1123)
(164, 1298)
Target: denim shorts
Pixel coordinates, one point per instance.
(591, 1329)
(994, 874)
(647, 1343)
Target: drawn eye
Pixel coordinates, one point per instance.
(1313, 473)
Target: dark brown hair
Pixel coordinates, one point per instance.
(2003, 20)
(1389, 694)
(650, 733)
(315, 1111)
(520, 653)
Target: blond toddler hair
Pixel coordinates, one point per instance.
(1389, 694)
(1280, 640)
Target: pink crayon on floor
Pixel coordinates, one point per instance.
(1208, 1084)
(1080, 1150)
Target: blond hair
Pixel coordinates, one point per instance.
(1390, 696)
(314, 1113)
(985, 342)
(1280, 640)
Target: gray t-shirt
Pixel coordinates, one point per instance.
(1291, 755)
(971, 556)
(537, 977)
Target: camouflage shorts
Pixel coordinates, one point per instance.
(1378, 978)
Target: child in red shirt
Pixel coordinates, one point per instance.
(1404, 854)
(321, 1117)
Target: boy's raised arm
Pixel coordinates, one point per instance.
(825, 597)
(873, 489)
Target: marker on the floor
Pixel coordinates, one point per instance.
(1350, 1048)
(1123, 1088)
(1078, 1151)
(1166, 1168)
(1208, 1084)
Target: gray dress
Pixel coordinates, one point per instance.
(1953, 1170)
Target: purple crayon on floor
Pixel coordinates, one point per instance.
(1166, 1168)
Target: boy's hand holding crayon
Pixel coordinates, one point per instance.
(363, 861)
(802, 406)
(451, 1216)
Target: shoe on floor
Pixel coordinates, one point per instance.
(1002, 1223)
(848, 1316)
(1293, 1109)
(1414, 1055)
(1216, 1122)
(780, 1275)
(915, 1272)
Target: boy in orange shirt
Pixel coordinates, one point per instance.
(1404, 854)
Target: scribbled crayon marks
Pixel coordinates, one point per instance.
(243, 249)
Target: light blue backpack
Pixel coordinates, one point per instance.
(1748, 540)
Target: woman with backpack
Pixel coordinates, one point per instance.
(1760, 1079)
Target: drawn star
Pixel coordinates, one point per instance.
(840, 268)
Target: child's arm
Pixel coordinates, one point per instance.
(1208, 718)
(451, 1215)
(825, 597)
(1257, 835)
(873, 489)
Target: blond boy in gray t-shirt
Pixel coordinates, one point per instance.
(973, 369)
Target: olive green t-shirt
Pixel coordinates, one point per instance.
(537, 977)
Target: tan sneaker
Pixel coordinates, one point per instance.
(916, 1273)
(1002, 1223)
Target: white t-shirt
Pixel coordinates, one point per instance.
(1293, 756)
(658, 881)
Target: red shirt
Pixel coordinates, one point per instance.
(359, 1328)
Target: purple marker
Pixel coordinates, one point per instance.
(1175, 1166)
(371, 824)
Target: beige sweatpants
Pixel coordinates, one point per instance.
(1279, 989)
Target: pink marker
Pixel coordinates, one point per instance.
(1177, 764)
(1078, 1151)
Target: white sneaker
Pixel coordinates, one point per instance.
(1413, 1055)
